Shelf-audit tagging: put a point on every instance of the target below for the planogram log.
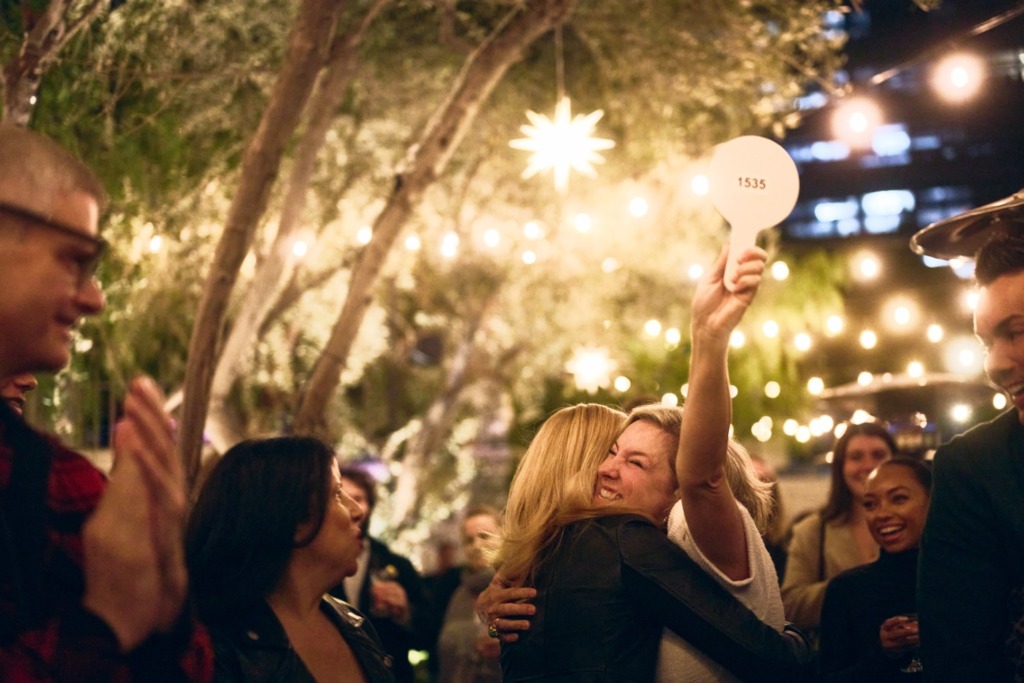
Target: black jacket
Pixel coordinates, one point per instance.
(604, 595)
(970, 590)
(396, 638)
(253, 648)
(856, 604)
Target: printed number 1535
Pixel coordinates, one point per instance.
(753, 183)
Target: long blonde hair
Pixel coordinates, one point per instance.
(554, 484)
(751, 492)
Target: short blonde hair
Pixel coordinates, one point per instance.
(554, 484)
(751, 492)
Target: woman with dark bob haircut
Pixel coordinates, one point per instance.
(271, 532)
(835, 538)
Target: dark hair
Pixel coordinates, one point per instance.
(365, 481)
(840, 499)
(1003, 254)
(921, 469)
(241, 532)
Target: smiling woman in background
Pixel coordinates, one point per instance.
(869, 619)
(834, 539)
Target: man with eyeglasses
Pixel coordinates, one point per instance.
(92, 575)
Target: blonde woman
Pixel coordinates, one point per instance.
(584, 526)
(733, 554)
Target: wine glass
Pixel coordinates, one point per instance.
(378, 576)
(914, 665)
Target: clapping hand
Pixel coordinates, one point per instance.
(135, 572)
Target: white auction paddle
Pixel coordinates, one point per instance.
(754, 185)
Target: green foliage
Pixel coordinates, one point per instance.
(161, 97)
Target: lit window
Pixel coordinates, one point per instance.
(888, 202)
(830, 151)
(890, 140)
(835, 211)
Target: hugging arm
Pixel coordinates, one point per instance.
(506, 608)
(667, 583)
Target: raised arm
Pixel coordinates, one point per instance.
(708, 502)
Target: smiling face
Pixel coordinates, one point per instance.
(45, 290)
(863, 454)
(999, 324)
(638, 471)
(896, 507)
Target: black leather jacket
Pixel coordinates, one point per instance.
(254, 648)
(606, 591)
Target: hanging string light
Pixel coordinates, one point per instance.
(563, 142)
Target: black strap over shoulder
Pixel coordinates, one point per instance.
(23, 520)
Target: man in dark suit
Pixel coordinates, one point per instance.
(971, 575)
(386, 587)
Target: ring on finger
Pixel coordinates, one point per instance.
(492, 630)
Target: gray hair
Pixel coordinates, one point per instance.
(752, 493)
(45, 165)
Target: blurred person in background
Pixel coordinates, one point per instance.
(464, 652)
(869, 618)
(14, 390)
(835, 538)
(385, 586)
(776, 534)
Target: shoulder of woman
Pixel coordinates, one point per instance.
(808, 522)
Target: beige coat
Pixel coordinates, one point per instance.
(803, 589)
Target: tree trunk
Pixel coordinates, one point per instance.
(436, 423)
(426, 159)
(266, 284)
(307, 52)
(45, 34)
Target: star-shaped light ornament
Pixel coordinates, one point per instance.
(562, 143)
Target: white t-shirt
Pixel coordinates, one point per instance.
(680, 662)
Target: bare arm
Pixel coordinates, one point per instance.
(708, 502)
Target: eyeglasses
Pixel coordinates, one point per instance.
(85, 264)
